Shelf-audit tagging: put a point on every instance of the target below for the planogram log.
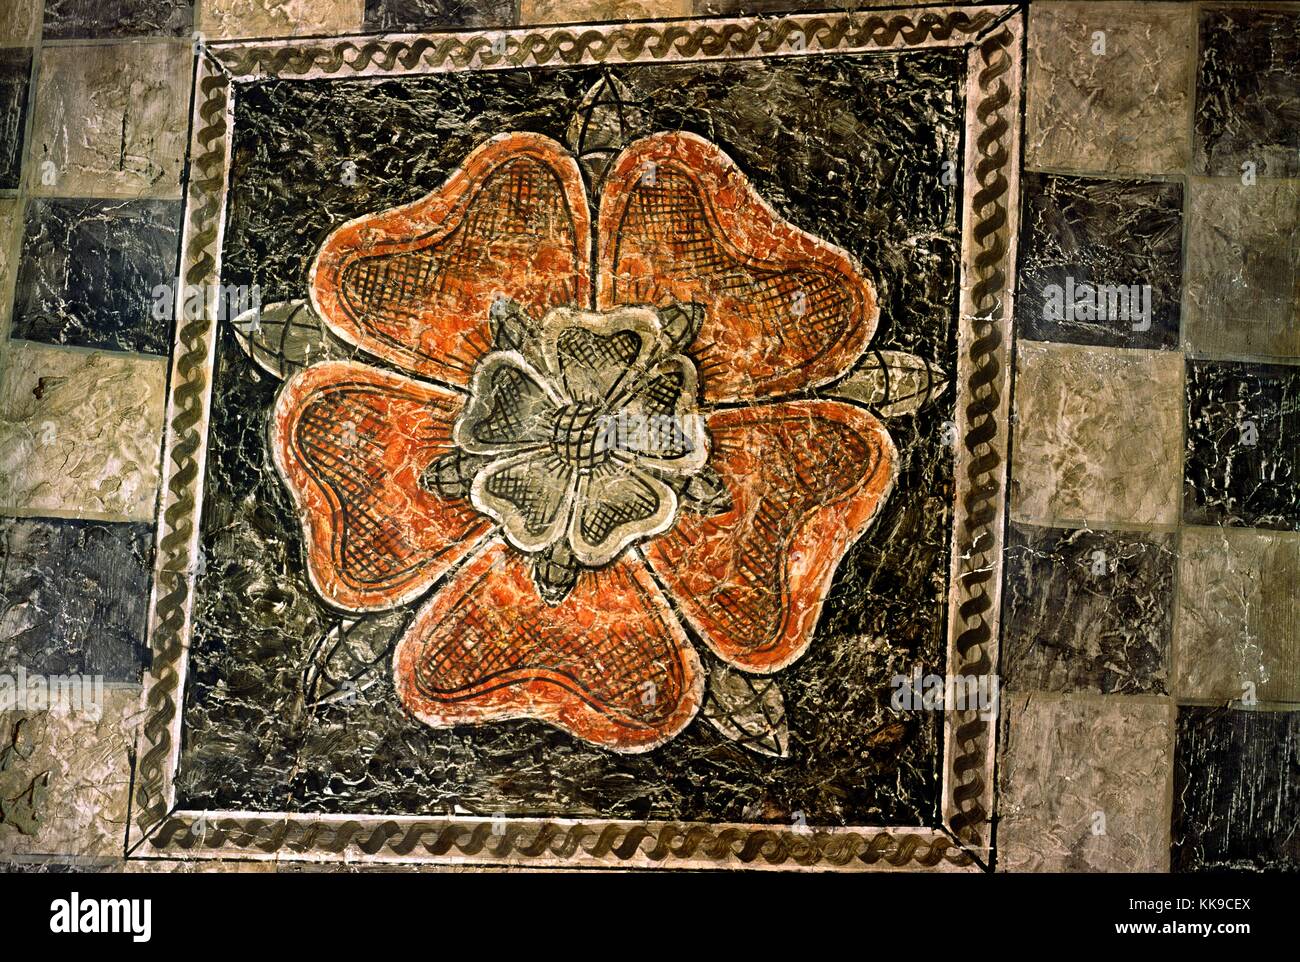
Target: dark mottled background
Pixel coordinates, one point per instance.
(849, 148)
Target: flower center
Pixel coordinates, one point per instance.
(580, 436)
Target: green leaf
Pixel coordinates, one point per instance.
(706, 493)
(351, 657)
(555, 572)
(681, 322)
(892, 383)
(451, 475)
(749, 710)
(286, 337)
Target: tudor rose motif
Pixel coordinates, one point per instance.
(572, 426)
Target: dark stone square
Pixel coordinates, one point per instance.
(91, 273)
(76, 19)
(1242, 462)
(15, 76)
(1236, 790)
(75, 596)
(853, 759)
(432, 14)
(1248, 92)
(1078, 234)
(1087, 610)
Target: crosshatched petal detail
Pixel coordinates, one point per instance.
(350, 442)
(806, 479)
(782, 309)
(610, 665)
(591, 355)
(530, 494)
(659, 421)
(511, 407)
(414, 285)
(615, 507)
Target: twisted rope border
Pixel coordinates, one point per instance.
(524, 841)
(550, 841)
(630, 43)
(973, 651)
(186, 428)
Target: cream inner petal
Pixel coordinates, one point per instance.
(658, 421)
(511, 407)
(530, 494)
(616, 506)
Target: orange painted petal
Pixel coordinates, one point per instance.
(806, 478)
(610, 664)
(351, 442)
(783, 310)
(413, 285)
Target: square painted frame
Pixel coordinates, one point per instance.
(993, 37)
